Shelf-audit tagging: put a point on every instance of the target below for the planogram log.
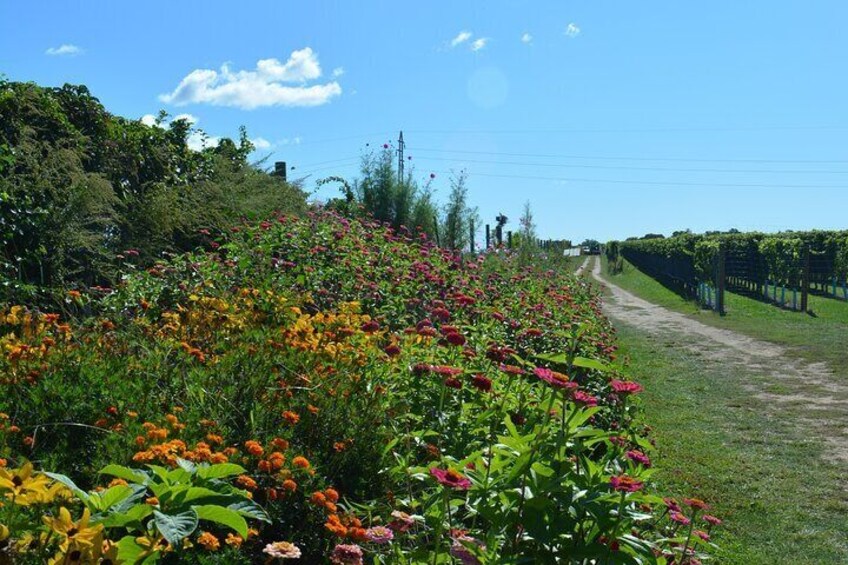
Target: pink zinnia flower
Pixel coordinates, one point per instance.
(459, 549)
(555, 379)
(696, 503)
(451, 478)
(712, 520)
(455, 338)
(638, 457)
(680, 518)
(402, 521)
(625, 387)
(671, 504)
(282, 550)
(346, 554)
(379, 534)
(624, 483)
(584, 398)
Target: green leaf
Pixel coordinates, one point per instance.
(587, 363)
(220, 471)
(131, 516)
(131, 475)
(186, 465)
(223, 516)
(81, 494)
(250, 509)
(175, 527)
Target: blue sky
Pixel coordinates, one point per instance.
(612, 118)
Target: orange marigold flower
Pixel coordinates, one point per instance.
(3, 462)
(209, 541)
(280, 443)
(289, 485)
(335, 526)
(152, 501)
(318, 498)
(132, 413)
(332, 494)
(214, 439)
(339, 446)
(117, 482)
(234, 540)
(216, 458)
(264, 466)
(330, 507)
(291, 417)
(313, 409)
(301, 462)
(254, 447)
(246, 482)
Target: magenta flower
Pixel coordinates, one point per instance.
(346, 554)
(638, 457)
(624, 483)
(481, 382)
(625, 387)
(459, 549)
(680, 518)
(712, 520)
(555, 379)
(451, 478)
(584, 398)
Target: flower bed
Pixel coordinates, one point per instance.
(330, 391)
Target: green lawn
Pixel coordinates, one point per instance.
(781, 501)
(822, 336)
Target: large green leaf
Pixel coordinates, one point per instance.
(250, 509)
(81, 494)
(223, 516)
(220, 471)
(131, 475)
(175, 527)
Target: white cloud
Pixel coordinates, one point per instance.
(187, 117)
(572, 30)
(65, 49)
(526, 38)
(291, 141)
(462, 37)
(148, 120)
(479, 43)
(256, 88)
(199, 140)
(261, 143)
(338, 71)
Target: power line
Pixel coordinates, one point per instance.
(609, 158)
(630, 130)
(627, 168)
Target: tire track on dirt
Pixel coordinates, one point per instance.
(812, 384)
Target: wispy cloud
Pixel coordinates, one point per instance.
(572, 30)
(66, 50)
(526, 38)
(338, 71)
(263, 86)
(461, 37)
(261, 143)
(479, 43)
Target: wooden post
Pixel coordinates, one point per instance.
(436, 228)
(471, 235)
(488, 237)
(720, 282)
(509, 239)
(805, 280)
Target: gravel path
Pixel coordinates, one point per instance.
(812, 384)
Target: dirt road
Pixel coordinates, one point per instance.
(799, 381)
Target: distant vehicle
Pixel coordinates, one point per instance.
(590, 250)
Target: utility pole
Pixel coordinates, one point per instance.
(400, 157)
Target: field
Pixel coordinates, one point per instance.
(777, 471)
(329, 388)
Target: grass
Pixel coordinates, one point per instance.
(822, 336)
(765, 476)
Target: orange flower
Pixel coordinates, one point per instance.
(318, 498)
(330, 507)
(339, 446)
(264, 466)
(301, 462)
(254, 448)
(291, 417)
(312, 409)
(332, 494)
(335, 526)
(234, 540)
(216, 458)
(246, 482)
(209, 541)
(280, 443)
(152, 501)
(289, 485)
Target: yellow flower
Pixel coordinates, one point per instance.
(4, 533)
(23, 487)
(78, 535)
(110, 553)
(78, 553)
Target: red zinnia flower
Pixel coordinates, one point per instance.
(481, 382)
(712, 520)
(696, 503)
(680, 518)
(584, 398)
(455, 339)
(450, 478)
